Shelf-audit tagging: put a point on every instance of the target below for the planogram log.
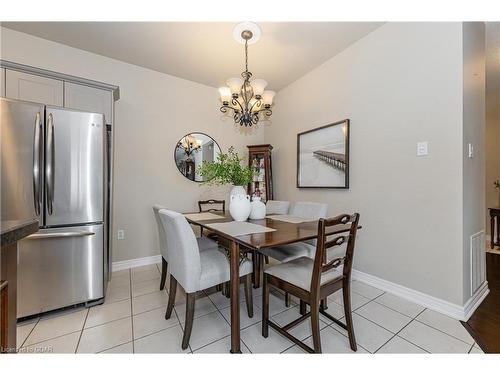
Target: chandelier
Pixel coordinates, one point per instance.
(189, 144)
(245, 98)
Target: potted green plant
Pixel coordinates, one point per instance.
(229, 169)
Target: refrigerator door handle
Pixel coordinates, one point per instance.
(50, 164)
(38, 236)
(36, 164)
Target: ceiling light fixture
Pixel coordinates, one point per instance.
(244, 97)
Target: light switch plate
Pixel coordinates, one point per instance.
(422, 148)
(471, 150)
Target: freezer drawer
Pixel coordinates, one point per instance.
(59, 267)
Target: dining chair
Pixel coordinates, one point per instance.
(211, 205)
(196, 270)
(277, 207)
(203, 243)
(313, 280)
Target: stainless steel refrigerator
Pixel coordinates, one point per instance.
(53, 168)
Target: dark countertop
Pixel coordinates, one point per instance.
(15, 230)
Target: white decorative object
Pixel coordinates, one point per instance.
(258, 209)
(239, 204)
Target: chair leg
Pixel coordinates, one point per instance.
(348, 315)
(218, 287)
(248, 294)
(171, 297)
(303, 308)
(265, 307)
(227, 288)
(267, 259)
(164, 266)
(258, 268)
(190, 298)
(324, 304)
(287, 299)
(315, 327)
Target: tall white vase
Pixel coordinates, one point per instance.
(239, 204)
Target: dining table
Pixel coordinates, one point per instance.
(283, 232)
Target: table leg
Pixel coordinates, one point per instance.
(492, 231)
(235, 297)
(498, 230)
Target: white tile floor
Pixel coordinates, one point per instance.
(132, 321)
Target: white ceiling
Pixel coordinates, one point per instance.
(206, 52)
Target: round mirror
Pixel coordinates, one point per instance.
(192, 150)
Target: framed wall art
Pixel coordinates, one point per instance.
(323, 157)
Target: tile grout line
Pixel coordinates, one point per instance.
(29, 333)
(81, 332)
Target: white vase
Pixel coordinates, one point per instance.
(239, 204)
(258, 209)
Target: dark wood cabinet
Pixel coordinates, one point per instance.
(259, 158)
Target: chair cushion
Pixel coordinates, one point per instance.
(286, 253)
(205, 243)
(299, 272)
(215, 268)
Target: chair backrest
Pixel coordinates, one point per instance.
(277, 207)
(309, 210)
(212, 205)
(161, 232)
(321, 262)
(183, 252)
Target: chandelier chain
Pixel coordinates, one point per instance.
(246, 56)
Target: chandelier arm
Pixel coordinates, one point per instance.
(268, 111)
(234, 102)
(258, 103)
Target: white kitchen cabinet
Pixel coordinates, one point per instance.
(89, 99)
(2, 82)
(33, 88)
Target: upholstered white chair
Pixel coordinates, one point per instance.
(195, 270)
(277, 207)
(203, 244)
(286, 253)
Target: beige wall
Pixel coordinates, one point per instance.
(474, 91)
(492, 115)
(155, 110)
(398, 85)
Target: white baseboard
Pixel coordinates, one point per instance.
(450, 309)
(126, 264)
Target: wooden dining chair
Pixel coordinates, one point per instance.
(313, 280)
(203, 244)
(211, 205)
(196, 270)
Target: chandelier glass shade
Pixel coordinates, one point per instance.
(244, 97)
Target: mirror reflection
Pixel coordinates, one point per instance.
(191, 151)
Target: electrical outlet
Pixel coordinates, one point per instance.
(422, 148)
(121, 234)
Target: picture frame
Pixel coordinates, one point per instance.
(323, 156)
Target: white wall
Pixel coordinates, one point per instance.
(398, 85)
(155, 110)
(473, 132)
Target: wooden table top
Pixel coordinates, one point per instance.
(285, 232)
